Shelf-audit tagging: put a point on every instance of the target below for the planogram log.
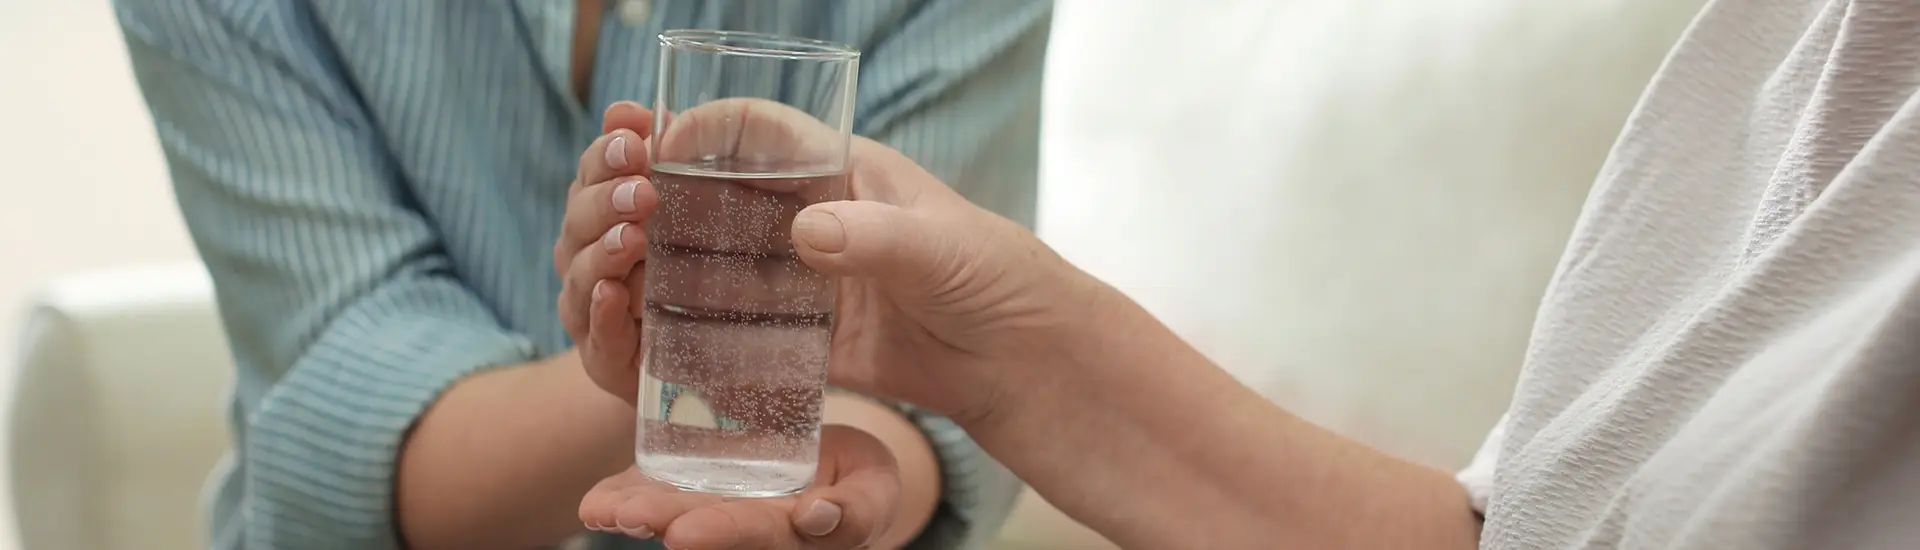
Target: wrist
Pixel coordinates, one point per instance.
(457, 486)
(593, 409)
(1099, 333)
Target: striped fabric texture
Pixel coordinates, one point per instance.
(376, 187)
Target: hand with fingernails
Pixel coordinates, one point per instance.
(600, 258)
(940, 304)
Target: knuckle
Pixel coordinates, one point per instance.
(587, 159)
(576, 329)
(585, 265)
(570, 314)
(573, 226)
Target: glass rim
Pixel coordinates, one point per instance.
(756, 44)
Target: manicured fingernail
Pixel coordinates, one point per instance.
(641, 532)
(613, 241)
(819, 519)
(617, 153)
(623, 197)
(821, 230)
(599, 290)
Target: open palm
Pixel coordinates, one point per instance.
(851, 501)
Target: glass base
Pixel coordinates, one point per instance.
(728, 492)
(732, 478)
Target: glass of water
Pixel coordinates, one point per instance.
(748, 130)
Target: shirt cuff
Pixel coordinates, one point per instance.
(1477, 477)
(978, 493)
(320, 449)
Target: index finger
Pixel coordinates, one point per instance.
(621, 149)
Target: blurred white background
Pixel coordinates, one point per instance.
(1352, 205)
(86, 186)
(85, 183)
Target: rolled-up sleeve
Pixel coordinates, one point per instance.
(1477, 477)
(338, 300)
(956, 87)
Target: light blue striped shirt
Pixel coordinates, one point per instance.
(376, 187)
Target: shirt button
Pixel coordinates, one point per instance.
(635, 12)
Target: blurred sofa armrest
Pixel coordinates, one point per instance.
(118, 411)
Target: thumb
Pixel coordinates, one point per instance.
(893, 246)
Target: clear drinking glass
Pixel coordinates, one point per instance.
(748, 130)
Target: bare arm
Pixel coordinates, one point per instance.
(502, 458)
(1147, 442)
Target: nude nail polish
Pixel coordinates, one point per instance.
(641, 532)
(617, 153)
(820, 518)
(614, 237)
(623, 197)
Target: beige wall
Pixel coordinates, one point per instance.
(85, 182)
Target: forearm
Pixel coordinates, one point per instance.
(912, 453)
(502, 459)
(1141, 438)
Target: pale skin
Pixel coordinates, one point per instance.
(568, 430)
(1086, 396)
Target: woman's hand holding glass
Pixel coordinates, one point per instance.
(941, 304)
